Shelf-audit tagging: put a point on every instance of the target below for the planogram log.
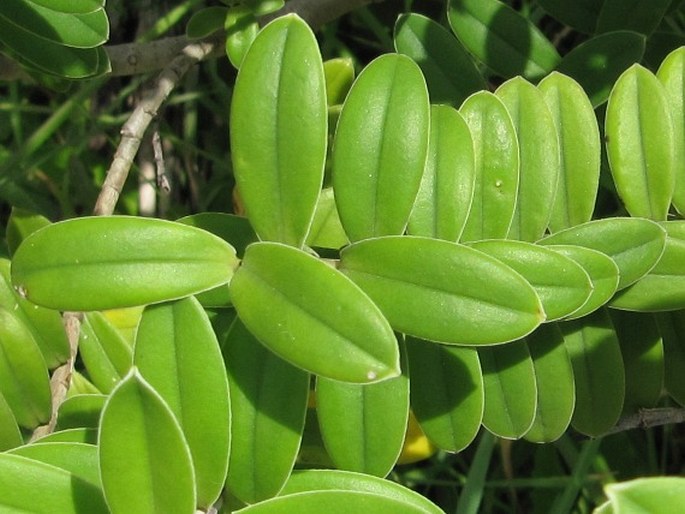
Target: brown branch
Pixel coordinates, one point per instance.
(648, 418)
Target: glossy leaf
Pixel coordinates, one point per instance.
(327, 231)
(644, 495)
(554, 381)
(241, 28)
(497, 167)
(45, 325)
(601, 269)
(10, 435)
(125, 321)
(662, 288)
(108, 262)
(105, 353)
(538, 157)
(335, 480)
(634, 244)
(71, 6)
(268, 404)
(145, 463)
(446, 392)
(206, 21)
(643, 16)
(60, 490)
(672, 329)
(581, 14)
(71, 435)
(501, 38)
(20, 225)
(435, 290)
(339, 75)
(451, 74)
(579, 147)
(279, 130)
(598, 372)
(23, 376)
(640, 143)
(311, 315)
(447, 187)
(81, 460)
(562, 285)
(333, 502)
(178, 354)
(598, 62)
(643, 358)
(80, 411)
(235, 230)
(363, 426)
(380, 147)
(510, 389)
(671, 74)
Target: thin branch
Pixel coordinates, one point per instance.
(647, 418)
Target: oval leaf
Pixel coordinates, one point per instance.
(206, 21)
(81, 460)
(313, 316)
(268, 404)
(640, 144)
(80, 411)
(339, 75)
(446, 392)
(21, 224)
(444, 199)
(656, 494)
(500, 37)
(241, 28)
(108, 262)
(380, 147)
(279, 130)
(497, 167)
(434, 290)
(581, 15)
(451, 74)
(580, 151)
(10, 435)
(178, 354)
(145, 463)
(643, 16)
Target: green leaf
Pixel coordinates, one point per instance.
(380, 147)
(145, 462)
(580, 151)
(598, 372)
(500, 37)
(327, 231)
(640, 143)
(80, 411)
(444, 199)
(23, 376)
(554, 382)
(635, 244)
(60, 490)
(642, 16)
(672, 329)
(662, 288)
(108, 262)
(446, 392)
(206, 21)
(268, 404)
(334, 502)
(339, 75)
(602, 271)
(278, 130)
(363, 426)
(241, 28)
(105, 353)
(497, 167)
(664, 495)
(20, 225)
(434, 290)
(581, 14)
(562, 285)
(10, 435)
(81, 460)
(45, 325)
(510, 390)
(71, 6)
(451, 75)
(77, 30)
(178, 354)
(538, 157)
(334, 480)
(671, 74)
(643, 358)
(598, 62)
(311, 315)
(233, 229)
(71, 435)
(263, 7)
